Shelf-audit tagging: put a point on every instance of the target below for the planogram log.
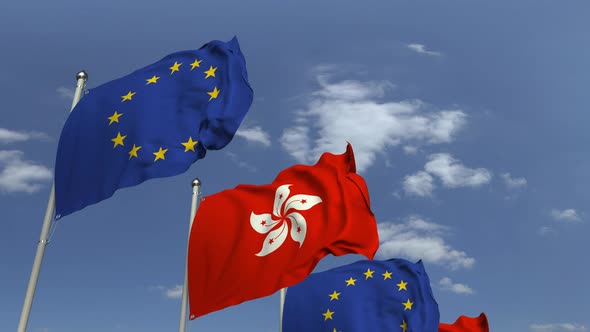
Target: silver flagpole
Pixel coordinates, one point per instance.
(196, 192)
(81, 77)
(281, 306)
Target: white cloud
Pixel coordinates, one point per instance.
(67, 93)
(565, 215)
(453, 174)
(296, 142)
(418, 239)
(544, 230)
(12, 136)
(254, 134)
(557, 327)
(417, 223)
(19, 175)
(171, 293)
(419, 184)
(351, 90)
(408, 149)
(174, 293)
(513, 183)
(234, 158)
(351, 111)
(447, 284)
(449, 170)
(420, 48)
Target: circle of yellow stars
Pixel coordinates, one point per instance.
(401, 286)
(189, 145)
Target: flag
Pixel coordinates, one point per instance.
(467, 324)
(250, 241)
(390, 295)
(152, 123)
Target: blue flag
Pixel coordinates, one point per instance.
(155, 122)
(392, 295)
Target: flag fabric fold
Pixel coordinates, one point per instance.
(251, 241)
(467, 324)
(390, 295)
(155, 122)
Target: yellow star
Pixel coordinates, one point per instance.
(404, 326)
(189, 145)
(386, 275)
(368, 274)
(175, 67)
(210, 72)
(195, 64)
(402, 285)
(118, 140)
(160, 154)
(153, 80)
(328, 315)
(128, 96)
(213, 93)
(408, 305)
(133, 152)
(114, 117)
(334, 296)
(350, 282)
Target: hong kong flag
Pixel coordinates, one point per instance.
(467, 324)
(251, 241)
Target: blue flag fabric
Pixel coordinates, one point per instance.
(392, 295)
(155, 122)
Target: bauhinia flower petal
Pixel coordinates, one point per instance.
(298, 227)
(280, 197)
(262, 223)
(274, 240)
(301, 202)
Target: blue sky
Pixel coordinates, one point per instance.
(469, 123)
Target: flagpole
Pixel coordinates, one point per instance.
(81, 78)
(196, 191)
(281, 307)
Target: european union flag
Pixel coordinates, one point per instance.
(377, 296)
(152, 123)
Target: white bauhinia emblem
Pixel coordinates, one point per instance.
(278, 228)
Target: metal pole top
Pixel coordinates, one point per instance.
(196, 183)
(82, 75)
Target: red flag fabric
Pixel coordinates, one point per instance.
(467, 324)
(251, 241)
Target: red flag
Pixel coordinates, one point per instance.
(467, 324)
(251, 241)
